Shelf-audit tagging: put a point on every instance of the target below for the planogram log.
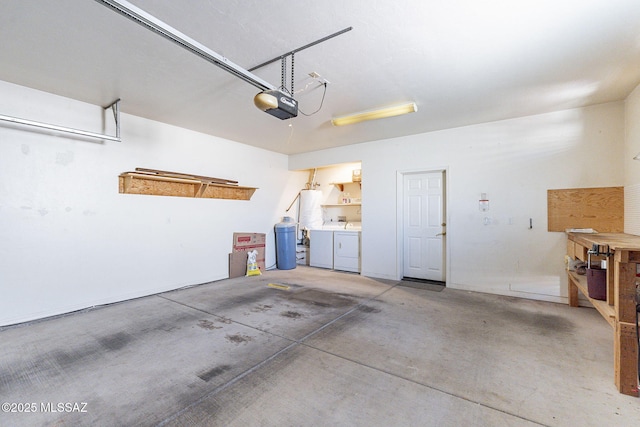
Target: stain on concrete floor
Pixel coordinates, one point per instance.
(322, 298)
(115, 341)
(542, 323)
(251, 297)
(208, 325)
(291, 314)
(368, 309)
(261, 308)
(239, 338)
(213, 372)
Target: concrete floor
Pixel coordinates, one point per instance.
(333, 349)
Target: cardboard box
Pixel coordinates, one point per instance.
(237, 264)
(243, 243)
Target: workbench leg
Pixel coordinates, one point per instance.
(625, 341)
(573, 292)
(626, 358)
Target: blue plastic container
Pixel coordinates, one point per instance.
(286, 244)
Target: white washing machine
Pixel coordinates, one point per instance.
(321, 244)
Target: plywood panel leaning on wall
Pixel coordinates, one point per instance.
(599, 208)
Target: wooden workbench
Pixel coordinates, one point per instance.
(620, 307)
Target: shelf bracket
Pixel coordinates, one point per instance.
(200, 191)
(115, 108)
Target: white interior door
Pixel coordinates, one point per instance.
(424, 229)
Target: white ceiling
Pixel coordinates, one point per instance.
(461, 61)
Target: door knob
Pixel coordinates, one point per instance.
(441, 234)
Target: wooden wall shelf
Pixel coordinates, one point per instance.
(159, 185)
(341, 185)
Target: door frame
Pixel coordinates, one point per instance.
(446, 176)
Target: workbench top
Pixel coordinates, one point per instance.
(615, 241)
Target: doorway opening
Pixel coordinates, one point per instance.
(330, 218)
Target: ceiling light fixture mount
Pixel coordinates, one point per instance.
(381, 113)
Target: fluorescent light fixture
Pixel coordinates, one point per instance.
(382, 113)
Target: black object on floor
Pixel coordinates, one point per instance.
(428, 285)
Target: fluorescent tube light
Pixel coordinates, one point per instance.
(382, 113)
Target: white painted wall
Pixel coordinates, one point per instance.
(515, 162)
(69, 240)
(631, 166)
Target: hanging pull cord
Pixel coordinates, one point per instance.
(321, 103)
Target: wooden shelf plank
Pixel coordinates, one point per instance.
(341, 185)
(186, 175)
(159, 185)
(607, 311)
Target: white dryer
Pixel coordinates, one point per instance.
(346, 247)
